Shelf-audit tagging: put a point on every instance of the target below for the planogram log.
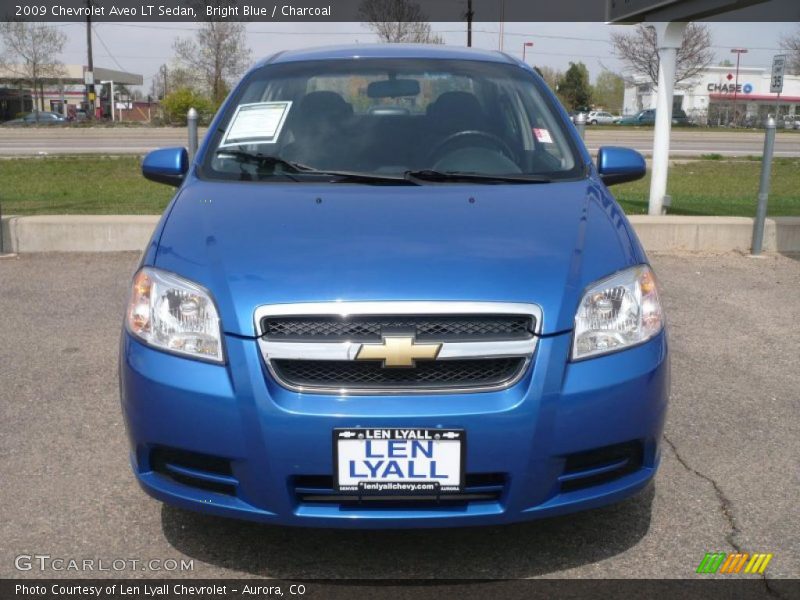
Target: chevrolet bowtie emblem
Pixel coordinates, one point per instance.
(398, 351)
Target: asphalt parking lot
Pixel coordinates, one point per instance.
(730, 476)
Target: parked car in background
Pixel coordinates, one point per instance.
(789, 122)
(643, 117)
(648, 117)
(679, 117)
(37, 117)
(574, 113)
(429, 314)
(600, 117)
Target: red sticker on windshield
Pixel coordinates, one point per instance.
(542, 135)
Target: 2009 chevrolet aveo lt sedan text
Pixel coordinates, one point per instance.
(393, 290)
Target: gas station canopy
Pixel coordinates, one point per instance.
(74, 74)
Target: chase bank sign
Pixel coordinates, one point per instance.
(730, 88)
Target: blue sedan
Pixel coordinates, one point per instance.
(393, 290)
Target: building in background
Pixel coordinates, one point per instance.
(67, 94)
(708, 98)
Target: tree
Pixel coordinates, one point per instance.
(30, 52)
(791, 44)
(609, 91)
(216, 56)
(574, 87)
(169, 78)
(178, 102)
(398, 21)
(639, 51)
(552, 77)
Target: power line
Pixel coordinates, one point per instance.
(100, 38)
(367, 32)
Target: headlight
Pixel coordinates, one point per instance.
(174, 314)
(617, 312)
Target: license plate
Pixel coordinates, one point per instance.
(399, 461)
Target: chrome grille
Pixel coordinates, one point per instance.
(371, 328)
(313, 347)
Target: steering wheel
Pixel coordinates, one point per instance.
(458, 138)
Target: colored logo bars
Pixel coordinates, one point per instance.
(720, 562)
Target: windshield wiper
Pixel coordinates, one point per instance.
(445, 176)
(359, 177)
(298, 168)
(266, 159)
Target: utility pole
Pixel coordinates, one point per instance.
(470, 14)
(502, 23)
(164, 69)
(90, 62)
(738, 52)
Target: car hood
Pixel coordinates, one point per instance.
(252, 244)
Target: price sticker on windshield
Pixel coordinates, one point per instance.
(256, 123)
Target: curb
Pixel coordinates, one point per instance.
(714, 234)
(121, 233)
(77, 233)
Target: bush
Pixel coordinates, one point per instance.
(177, 104)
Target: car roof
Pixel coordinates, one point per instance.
(353, 51)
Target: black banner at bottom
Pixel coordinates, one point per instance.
(563, 589)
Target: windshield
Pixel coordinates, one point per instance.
(391, 119)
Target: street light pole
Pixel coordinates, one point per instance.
(525, 46)
(738, 52)
(470, 14)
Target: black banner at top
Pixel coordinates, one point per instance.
(399, 10)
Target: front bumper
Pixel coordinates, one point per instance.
(272, 440)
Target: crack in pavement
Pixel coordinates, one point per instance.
(725, 506)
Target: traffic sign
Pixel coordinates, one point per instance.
(778, 69)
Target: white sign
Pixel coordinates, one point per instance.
(88, 77)
(778, 69)
(256, 123)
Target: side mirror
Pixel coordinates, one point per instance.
(166, 165)
(618, 165)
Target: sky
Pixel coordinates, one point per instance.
(142, 47)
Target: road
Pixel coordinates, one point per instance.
(684, 142)
(728, 477)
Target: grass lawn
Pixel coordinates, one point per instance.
(114, 185)
(719, 187)
(79, 185)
